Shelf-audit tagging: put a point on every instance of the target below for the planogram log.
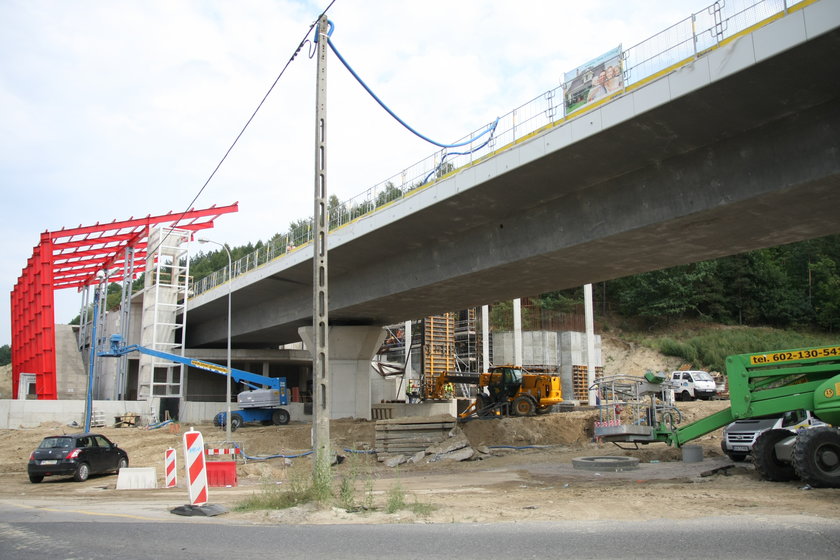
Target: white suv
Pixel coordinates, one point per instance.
(690, 385)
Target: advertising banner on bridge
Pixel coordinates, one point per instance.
(595, 80)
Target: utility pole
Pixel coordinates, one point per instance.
(320, 299)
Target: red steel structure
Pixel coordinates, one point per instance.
(71, 258)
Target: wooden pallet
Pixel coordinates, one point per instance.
(410, 435)
(579, 381)
(438, 351)
(97, 419)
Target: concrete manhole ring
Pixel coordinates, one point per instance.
(605, 463)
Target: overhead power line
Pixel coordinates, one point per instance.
(254, 114)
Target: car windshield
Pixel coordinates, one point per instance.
(702, 376)
(56, 443)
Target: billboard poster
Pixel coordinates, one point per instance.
(595, 80)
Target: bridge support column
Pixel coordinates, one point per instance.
(351, 350)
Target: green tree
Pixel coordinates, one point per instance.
(664, 295)
(443, 169)
(5, 355)
(388, 194)
(826, 293)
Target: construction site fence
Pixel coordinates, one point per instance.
(671, 48)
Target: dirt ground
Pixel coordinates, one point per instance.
(524, 473)
(527, 475)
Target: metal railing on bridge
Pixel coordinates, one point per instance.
(667, 50)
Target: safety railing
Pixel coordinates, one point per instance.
(676, 45)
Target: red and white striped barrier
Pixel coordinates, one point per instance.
(195, 467)
(170, 468)
(607, 423)
(233, 451)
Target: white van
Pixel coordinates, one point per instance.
(740, 435)
(692, 384)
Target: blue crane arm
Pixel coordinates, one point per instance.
(252, 380)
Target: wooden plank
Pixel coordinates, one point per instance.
(408, 427)
(404, 449)
(409, 440)
(437, 426)
(430, 419)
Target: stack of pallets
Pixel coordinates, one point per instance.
(579, 381)
(409, 435)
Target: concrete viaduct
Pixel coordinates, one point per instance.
(736, 150)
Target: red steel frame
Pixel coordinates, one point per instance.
(71, 258)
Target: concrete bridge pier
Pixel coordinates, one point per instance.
(351, 350)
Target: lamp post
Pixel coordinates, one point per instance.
(230, 288)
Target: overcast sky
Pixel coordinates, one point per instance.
(112, 109)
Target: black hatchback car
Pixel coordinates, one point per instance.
(76, 455)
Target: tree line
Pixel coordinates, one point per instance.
(794, 286)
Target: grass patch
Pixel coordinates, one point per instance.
(396, 499)
(707, 348)
(272, 495)
(351, 491)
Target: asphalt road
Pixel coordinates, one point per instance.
(36, 533)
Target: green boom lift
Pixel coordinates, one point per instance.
(759, 384)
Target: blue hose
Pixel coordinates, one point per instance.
(304, 454)
(278, 456)
(443, 159)
(490, 128)
(517, 447)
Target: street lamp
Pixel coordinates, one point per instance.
(230, 288)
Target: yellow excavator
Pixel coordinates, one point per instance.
(503, 391)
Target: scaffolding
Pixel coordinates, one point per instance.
(467, 341)
(164, 301)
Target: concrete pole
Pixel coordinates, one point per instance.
(485, 338)
(320, 294)
(517, 332)
(590, 341)
(408, 373)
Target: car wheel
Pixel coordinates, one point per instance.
(685, 396)
(36, 478)
(82, 472)
(235, 421)
(122, 463)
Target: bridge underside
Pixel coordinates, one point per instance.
(748, 161)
